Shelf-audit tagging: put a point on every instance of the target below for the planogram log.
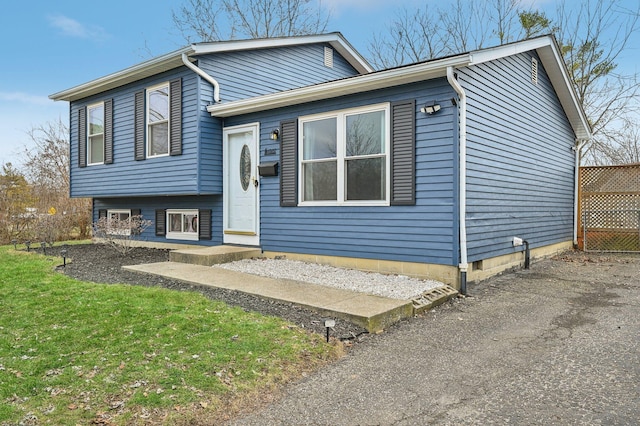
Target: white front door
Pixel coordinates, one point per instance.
(241, 186)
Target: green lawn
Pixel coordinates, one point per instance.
(74, 352)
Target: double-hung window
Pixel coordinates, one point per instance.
(158, 120)
(95, 134)
(344, 157)
(182, 224)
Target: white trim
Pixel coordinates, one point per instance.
(182, 235)
(147, 133)
(229, 237)
(341, 158)
(88, 124)
(173, 60)
(378, 80)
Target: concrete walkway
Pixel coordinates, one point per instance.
(373, 313)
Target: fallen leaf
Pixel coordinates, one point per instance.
(72, 406)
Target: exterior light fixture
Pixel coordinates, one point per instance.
(275, 134)
(329, 323)
(15, 244)
(28, 244)
(63, 253)
(43, 244)
(430, 109)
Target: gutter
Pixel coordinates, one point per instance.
(580, 143)
(333, 89)
(201, 73)
(462, 169)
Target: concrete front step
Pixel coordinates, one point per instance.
(208, 256)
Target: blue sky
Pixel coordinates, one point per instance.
(48, 46)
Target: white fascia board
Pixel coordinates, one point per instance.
(498, 52)
(378, 80)
(556, 69)
(336, 40)
(128, 75)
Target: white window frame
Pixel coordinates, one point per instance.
(89, 134)
(190, 236)
(119, 231)
(148, 124)
(340, 117)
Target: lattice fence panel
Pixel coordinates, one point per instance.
(610, 208)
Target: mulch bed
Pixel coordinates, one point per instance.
(101, 264)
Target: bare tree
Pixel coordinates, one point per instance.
(592, 37)
(16, 198)
(199, 20)
(46, 167)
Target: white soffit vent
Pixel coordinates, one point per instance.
(328, 57)
(534, 71)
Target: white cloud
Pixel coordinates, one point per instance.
(24, 98)
(72, 28)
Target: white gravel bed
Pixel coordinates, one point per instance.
(391, 286)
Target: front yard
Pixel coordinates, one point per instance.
(75, 352)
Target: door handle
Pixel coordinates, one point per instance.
(255, 181)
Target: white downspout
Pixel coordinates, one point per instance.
(213, 81)
(462, 177)
(577, 148)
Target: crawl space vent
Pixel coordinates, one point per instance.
(534, 71)
(328, 57)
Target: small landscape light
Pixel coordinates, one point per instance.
(43, 244)
(15, 244)
(329, 323)
(63, 253)
(28, 244)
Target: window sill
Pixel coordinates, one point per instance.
(343, 204)
(182, 236)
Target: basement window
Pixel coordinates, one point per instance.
(182, 225)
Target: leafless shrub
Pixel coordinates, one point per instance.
(120, 234)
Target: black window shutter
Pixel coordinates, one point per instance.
(161, 222)
(204, 225)
(175, 117)
(403, 153)
(108, 131)
(82, 137)
(139, 145)
(289, 163)
(102, 213)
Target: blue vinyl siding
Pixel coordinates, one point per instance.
(246, 74)
(149, 205)
(171, 175)
(425, 232)
(520, 163)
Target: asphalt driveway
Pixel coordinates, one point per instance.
(557, 344)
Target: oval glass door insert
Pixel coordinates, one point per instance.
(245, 167)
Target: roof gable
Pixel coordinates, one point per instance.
(173, 60)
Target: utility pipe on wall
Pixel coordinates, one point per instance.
(463, 266)
(201, 73)
(577, 148)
